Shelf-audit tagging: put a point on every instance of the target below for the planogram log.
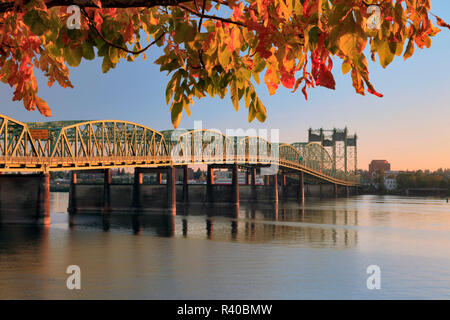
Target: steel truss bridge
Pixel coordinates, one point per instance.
(102, 144)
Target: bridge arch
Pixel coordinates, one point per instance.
(318, 158)
(16, 139)
(289, 153)
(255, 149)
(315, 156)
(108, 138)
(203, 145)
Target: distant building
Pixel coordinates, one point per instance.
(224, 177)
(390, 183)
(378, 165)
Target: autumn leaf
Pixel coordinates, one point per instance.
(207, 50)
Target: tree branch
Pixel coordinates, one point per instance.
(94, 28)
(198, 14)
(8, 6)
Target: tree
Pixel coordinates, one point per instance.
(379, 180)
(197, 174)
(210, 47)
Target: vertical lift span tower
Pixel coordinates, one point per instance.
(340, 145)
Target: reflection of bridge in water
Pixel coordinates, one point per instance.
(281, 224)
(100, 145)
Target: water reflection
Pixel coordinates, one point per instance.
(286, 223)
(254, 251)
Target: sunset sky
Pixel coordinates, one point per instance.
(409, 126)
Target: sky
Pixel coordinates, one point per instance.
(409, 126)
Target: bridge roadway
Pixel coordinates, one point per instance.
(104, 144)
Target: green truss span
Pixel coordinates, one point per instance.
(84, 145)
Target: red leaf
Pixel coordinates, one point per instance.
(43, 107)
(442, 23)
(326, 78)
(288, 79)
(375, 93)
(304, 92)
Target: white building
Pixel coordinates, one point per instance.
(224, 177)
(390, 183)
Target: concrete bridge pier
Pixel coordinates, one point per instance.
(106, 191)
(138, 180)
(73, 193)
(347, 191)
(335, 190)
(25, 198)
(171, 191)
(284, 186)
(301, 189)
(235, 184)
(209, 183)
(253, 183)
(266, 180)
(275, 188)
(159, 177)
(43, 211)
(185, 184)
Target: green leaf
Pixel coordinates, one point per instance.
(251, 112)
(234, 95)
(73, 55)
(352, 44)
(261, 112)
(88, 51)
(346, 67)
(384, 51)
(37, 20)
(170, 89)
(106, 65)
(114, 54)
(225, 57)
(176, 113)
(409, 49)
(184, 32)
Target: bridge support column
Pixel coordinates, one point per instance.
(137, 188)
(320, 191)
(335, 190)
(347, 190)
(171, 191)
(253, 178)
(185, 184)
(275, 188)
(266, 180)
(106, 191)
(235, 183)
(209, 183)
(301, 191)
(73, 193)
(158, 178)
(284, 186)
(43, 207)
(209, 228)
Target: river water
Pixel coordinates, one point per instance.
(255, 252)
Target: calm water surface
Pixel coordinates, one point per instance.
(257, 252)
